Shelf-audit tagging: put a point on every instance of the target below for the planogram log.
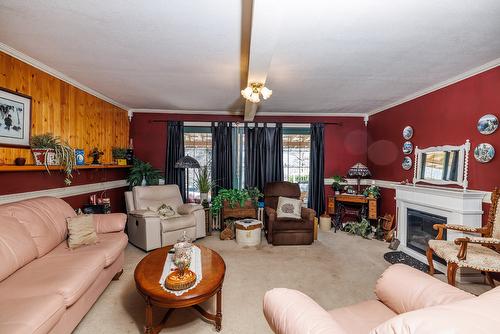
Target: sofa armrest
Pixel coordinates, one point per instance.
(292, 312)
(404, 289)
(188, 208)
(106, 223)
(307, 214)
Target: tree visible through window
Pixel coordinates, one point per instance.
(296, 153)
(197, 144)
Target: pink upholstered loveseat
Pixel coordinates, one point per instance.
(408, 302)
(44, 286)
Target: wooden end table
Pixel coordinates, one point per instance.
(147, 275)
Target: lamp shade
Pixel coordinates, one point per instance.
(187, 162)
(358, 170)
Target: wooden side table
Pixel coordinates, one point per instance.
(208, 221)
(368, 206)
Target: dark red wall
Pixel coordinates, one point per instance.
(446, 116)
(344, 145)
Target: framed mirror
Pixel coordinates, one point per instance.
(442, 165)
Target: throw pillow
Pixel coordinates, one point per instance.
(166, 212)
(288, 208)
(81, 231)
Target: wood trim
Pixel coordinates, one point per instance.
(14, 168)
(64, 191)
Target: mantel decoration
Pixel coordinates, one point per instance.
(487, 124)
(15, 119)
(187, 162)
(251, 93)
(358, 171)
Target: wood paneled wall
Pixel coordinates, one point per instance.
(64, 110)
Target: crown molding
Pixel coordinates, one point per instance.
(240, 113)
(433, 88)
(55, 73)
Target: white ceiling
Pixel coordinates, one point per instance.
(326, 56)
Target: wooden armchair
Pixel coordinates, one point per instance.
(480, 253)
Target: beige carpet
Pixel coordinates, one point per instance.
(337, 270)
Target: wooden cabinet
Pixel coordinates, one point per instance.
(368, 204)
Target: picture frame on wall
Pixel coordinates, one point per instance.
(15, 119)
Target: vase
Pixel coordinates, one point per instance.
(143, 183)
(203, 197)
(44, 156)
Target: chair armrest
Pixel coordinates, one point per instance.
(441, 227)
(307, 214)
(188, 208)
(292, 312)
(404, 289)
(270, 213)
(463, 242)
(112, 222)
(143, 213)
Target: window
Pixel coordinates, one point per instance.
(197, 144)
(296, 153)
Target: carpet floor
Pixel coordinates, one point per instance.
(337, 270)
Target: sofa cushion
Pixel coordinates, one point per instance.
(44, 218)
(109, 246)
(31, 315)
(292, 224)
(16, 246)
(174, 224)
(69, 274)
(362, 317)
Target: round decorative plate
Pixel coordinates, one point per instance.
(484, 152)
(487, 124)
(407, 132)
(407, 147)
(407, 162)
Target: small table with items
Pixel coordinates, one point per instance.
(248, 232)
(344, 205)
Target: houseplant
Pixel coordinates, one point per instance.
(142, 173)
(233, 198)
(119, 155)
(49, 150)
(372, 191)
(203, 182)
(362, 228)
(337, 183)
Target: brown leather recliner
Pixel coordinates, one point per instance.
(286, 231)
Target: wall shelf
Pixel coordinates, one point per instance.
(26, 168)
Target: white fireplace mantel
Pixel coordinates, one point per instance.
(457, 206)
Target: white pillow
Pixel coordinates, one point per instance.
(288, 208)
(166, 211)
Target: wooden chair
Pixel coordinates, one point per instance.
(480, 253)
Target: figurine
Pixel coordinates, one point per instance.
(96, 154)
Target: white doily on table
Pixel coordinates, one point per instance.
(195, 267)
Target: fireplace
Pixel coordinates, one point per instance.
(419, 230)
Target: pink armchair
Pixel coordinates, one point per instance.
(408, 302)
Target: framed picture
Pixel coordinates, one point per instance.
(15, 119)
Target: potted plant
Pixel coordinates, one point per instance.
(119, 155)
(142, 173)
(49, 150)
(337, 183)
(362, 228)
(235, 198)
(372, 191)
(203, 182)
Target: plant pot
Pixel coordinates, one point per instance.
(247, 205)
(44, 156)
(337, 192)
(203, 197)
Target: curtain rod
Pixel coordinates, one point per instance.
(326, 123)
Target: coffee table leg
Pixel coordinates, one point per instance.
(149, 318)
(218, 315)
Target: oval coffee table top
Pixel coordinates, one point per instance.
(148, 272)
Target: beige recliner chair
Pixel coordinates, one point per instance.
(147, 230)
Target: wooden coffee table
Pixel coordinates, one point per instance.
(147, 275)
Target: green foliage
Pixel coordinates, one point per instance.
(65, 154)
(143, 170)
(337, 182)
(118, 152)
(374, 191)
(202, 179)
(362, 228)
(234, 197)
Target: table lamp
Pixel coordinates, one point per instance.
(187, 162)
(358, 171)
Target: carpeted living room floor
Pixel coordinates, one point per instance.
(337, 270)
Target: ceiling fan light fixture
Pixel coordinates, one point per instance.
(252, 92)
(266, 93)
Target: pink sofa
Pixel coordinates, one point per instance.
(408, 302)
(44, 286)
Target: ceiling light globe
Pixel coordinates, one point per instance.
(254, 98)
(266, 93)
(247, 92)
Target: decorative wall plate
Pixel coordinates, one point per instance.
(407, 132)
(484, 152)
(487, 124)
(407, 162)
(407, 147)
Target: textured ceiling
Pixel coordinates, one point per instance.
(329, 56)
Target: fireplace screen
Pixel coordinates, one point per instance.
(420, 230)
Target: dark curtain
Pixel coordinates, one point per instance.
(263, 155)
(175, 151)
(316, 197)
(222, 156)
